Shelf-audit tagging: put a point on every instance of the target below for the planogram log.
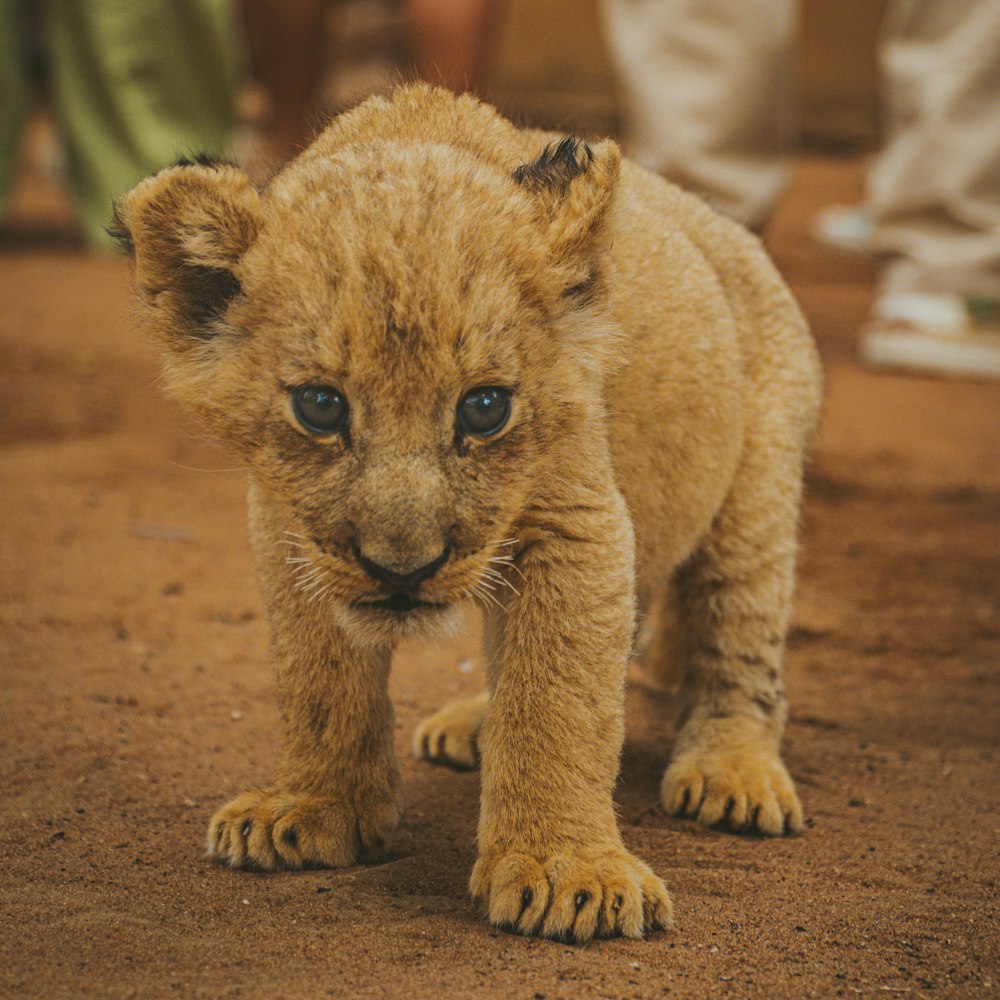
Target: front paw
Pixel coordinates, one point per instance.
(571, 897)
(275, 831)
(730, 775)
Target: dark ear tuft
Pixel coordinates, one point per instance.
(571, 184)
(202, 160)
(558, 165)
(119, 232)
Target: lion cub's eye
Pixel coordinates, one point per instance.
(484, 410)
(319, 408)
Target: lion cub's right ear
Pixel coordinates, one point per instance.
(187, 228)
(573, 184)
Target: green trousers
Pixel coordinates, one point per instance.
(135, 83)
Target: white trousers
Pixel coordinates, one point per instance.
(706, 85)
(934, 189)
(706, 89)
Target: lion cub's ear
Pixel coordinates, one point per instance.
(573, 183)
(187, 229)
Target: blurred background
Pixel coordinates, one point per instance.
(545, 64)
(565, 78)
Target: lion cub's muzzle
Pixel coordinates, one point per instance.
(402, 586)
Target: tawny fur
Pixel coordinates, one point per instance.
(665, 389)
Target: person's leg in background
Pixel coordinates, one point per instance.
(286, 38)
(934, 190)
(707, 89)
(137, 85)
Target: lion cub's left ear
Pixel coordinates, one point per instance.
(187, 228)
(573, 183)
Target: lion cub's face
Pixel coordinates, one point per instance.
(394, 339)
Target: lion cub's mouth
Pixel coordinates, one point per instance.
(399, 603)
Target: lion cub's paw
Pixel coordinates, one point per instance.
(275, 831)
(740, 784)
(449, 736)
(571, 898)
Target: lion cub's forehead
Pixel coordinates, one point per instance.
(387, 263)
(428, 198)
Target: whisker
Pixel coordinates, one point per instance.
(508, 561)
(485, 595)
(308, 564)
(494, 575)
(194, 468)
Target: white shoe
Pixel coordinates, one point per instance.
(846, 227)
(941, 334)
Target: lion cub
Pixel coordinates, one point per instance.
(465, 362)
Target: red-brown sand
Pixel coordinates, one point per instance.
(137, 695)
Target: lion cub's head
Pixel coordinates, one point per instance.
(394, 337)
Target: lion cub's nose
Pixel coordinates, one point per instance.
(401, 580)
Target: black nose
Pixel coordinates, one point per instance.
(401, 580)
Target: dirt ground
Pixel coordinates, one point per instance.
(137, 695)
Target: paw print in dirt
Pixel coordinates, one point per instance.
(278, 831)
(572, 898)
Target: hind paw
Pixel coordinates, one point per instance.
(449, 736)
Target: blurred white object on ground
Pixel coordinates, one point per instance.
(847, 227)
(946, 334)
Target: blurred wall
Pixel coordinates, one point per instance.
(838, 71)
(550, 66)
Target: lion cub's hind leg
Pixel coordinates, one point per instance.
(735, 598)
(449, 736)
(659, 647)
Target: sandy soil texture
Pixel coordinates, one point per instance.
(137, 695)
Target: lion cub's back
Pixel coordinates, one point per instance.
(713, 338)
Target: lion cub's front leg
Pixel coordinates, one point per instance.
(551, 859)
(337, 795)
